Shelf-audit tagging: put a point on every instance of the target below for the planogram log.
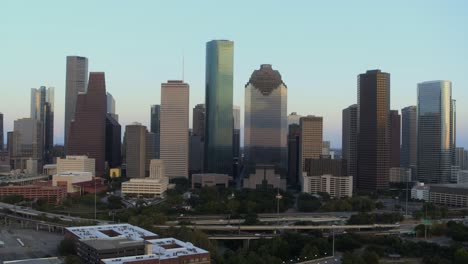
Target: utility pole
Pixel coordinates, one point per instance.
(407, 180)
(333, 243)
(95, 203)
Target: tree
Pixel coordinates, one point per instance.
(461, 256)
(308, 203)
(370, 257)
(309, 251)
(66, 247)
(251, 219)
(114, 202)
(13, 199)
(71, 259)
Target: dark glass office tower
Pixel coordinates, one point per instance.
(1, 132)
(88, 129)
(293, 154)
(435, 131)
(373, 130)
(42, 109)
(197, 139)
(395, 128)
(198, 119)
(218, 102)
(266, 120)
(113, 141)
(155, 118)
(350, 141)
(236, 133)
(409, 138)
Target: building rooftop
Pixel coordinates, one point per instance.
(51, 260)
(111, 231)
(75, 173)
(107, 244)
(165, 248)
(21, 178)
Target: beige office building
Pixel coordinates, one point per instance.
(174, 128)
(157, 170)
(310, 140)
(76, 164)
(135, 150)
(335, 186)
(146, 187)
(70, 179)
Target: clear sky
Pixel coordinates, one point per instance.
(319, 47)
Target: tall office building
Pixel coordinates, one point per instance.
(293, 118)
(453, 127)
(135, 150)
(395, 138)
(174, 128)
(218, 103)
(42, 109)
(374, 130)
(1, 132)
(293, 154)
(26, 142)
(198, 121)
(435, 131)
(76, 82)
(155, 118)
(113, 142)
(460, 158)
(87, 134)
(409, 138)
(310, 140)
(266, 121)
(111, 106)
(236, 132)
(350, 140)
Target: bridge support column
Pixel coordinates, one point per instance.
(246, 243)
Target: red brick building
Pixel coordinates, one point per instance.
(49, 193)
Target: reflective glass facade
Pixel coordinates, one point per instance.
(266, 120)
(436, 137)
(409, 138)
(218, 103)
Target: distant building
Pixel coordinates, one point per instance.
(145, 187)
(210, 180)
(70, 179)
(420, 191)
(1, 133)
(111, 107)
(27, 142)
(135, 147)
(31, 167)
(350, 140)
(152, 142)
(335, 186)
(436, 135)
(311, 140)
(398, 175)
(198, 122)
(196, 154)
(113, 142)
(42, 108)
(460, 159)
(76, 164)
(218, 102)
(49, 193)
(373, 130)
(395, 138)
(324, 166)
(462, 176)
(293, 154)
(409, 138)
(265, 177)
(452, 195)
(236, 134)
(174, 128)
(293, 119)
(49, 169)
(115, 173)
(155, 119)
(87, 135)
(165, 251)
(76, 82)
(157, 169)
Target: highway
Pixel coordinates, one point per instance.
(280, 227)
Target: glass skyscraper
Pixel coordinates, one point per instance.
(409, 138)
(42, 108)
(218, 102)
(266, 120)
(436, 135)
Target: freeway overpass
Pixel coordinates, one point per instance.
(280, 227)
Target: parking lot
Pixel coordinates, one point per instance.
(37, 244)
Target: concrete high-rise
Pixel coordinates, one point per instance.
(113, 141)
(1, 132)
(26, 142)
(218, 102)
(373, 130)
(155, 119)
(350, 140)
(42, 109)
(174, 128)
(266, 121)
(395, 138)
(409, 138)
(135, 150)
(310, 140)
(76, 82)
(87, 134)
(436, 136)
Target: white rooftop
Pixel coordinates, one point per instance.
(110, 231)
(165, 248)
(75, 173)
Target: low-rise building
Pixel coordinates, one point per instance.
(76, 164)
(70, 179)
(49, 193)
(22, 179)
(49, 169)
(166, 251)
(335, 186)
(145, 187)
(462, 176)
(398, 175)
(264, 177)
(453, 195)
(209, 180)
(420, 192)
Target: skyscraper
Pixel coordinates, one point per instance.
(409, 138)
(174, 128)
(350, 140)
(1, 132)
(293, 118)
(293, 154)
(310, 140)
(135, 150)
(435, 131)
(197, 139)
(266, 121)
(113, 141)
(198, 121)
(42, 109)
(460, 158)
(395, 130)
(87, 134)
(76, 82)
(27, 142)
(155, 119)
(218, 103)
(111, 106)
(373, 130)
(236, 132)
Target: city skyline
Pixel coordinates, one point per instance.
(425, 55)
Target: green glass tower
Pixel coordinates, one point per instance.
(218, 100)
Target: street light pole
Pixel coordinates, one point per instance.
(406, 206)
(95, 213)
(333, 243)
